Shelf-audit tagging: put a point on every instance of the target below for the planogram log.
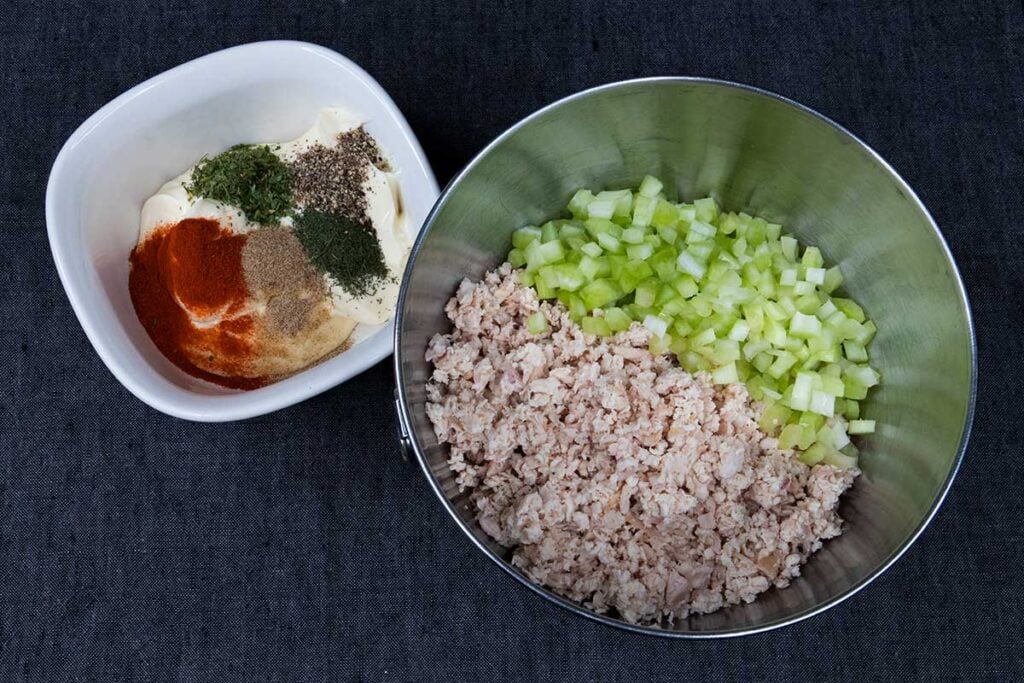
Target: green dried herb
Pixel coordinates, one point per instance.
(347, 250)
(250, 177)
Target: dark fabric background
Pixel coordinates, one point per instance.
(299, 546)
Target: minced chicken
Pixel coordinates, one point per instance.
(618, 479)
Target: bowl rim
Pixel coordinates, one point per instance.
(187, 404)
(409, 437)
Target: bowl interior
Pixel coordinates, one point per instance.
(758, 153)
(263, 92)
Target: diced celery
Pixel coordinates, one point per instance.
(592, 249)
(832, 385)
(658, 326)
(783, 362)
(707, 209)
(851, 409)
(591, 267)
(517, 258)
(788, 277)
(822, 403)
(609, 243)
(863, 375)
(639, 251)
(592, 325)
(740, 331)
(837, 459)
(577, 309)
(579, 203)
(537, 323)
(704, 338)
(849, 308)
(833, 280)
(812, 258)
(790, 436)
(645, 294)
(815, 276)
(600, 293)
(804, 326)
(633, 235)
(601, 208)
(725, 374)
(541, 254)
(855, 352)
(665, 215)
(803, 391)
(774, 417)
(789, 247)
(803, 288)
(617, 319)
(867, 333)
(543, 290)
(643, 210)
(650, 186)
(659, 345)
(548, 232)
(690, 265)
(862, 427)
(522, 237)
(815, 454)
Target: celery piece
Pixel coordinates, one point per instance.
(517, 258)
(866, 334)
(849, 308)
(596, 226)
(803, 288)
(658, 326)
(815, 454)
(788, 277)
(704, 338)
(665, 214)
(643, 210)
(633, 235)
(815, 276)
(690, 265)
(592, 325)
(526, 278)
(740, 331)
(540, 254)
(833, 280)
(659, 345)
(600, 293)
(579, 203)
(609, 243)
(639, 251)
(725, 374)
(668, 235)
(707, 209)
(728, 223)
(812, 258)
(857, 392)
(789, 247)
(601, 208)
(591, 267)
(645, 294)
(863, 375)
(548, 232)
(822, 403)
(686, 286)
(537, 323)
(543, 290)
(790, 436)
(851, 409)
(832, 385)
(862, 427)
(855, 352)
(804, 326)
(650, 186)
(592, 249)
(617, 319)
(577, 309)
(774, 417)
(522, 237)
(838, 460)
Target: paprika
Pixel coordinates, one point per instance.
(190, 272)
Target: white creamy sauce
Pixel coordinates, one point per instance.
(171, 204)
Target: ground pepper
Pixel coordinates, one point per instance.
(198, 263)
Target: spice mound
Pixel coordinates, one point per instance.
(263, 260)
(617, 478)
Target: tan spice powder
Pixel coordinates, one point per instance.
(275, 264)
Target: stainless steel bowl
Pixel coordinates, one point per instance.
(756, 152)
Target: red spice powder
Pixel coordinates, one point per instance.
(198, 263)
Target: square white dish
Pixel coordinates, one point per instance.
(260, 92)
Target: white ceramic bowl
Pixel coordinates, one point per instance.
(260, 92)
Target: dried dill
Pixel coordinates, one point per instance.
(346, 249)
(250, 177)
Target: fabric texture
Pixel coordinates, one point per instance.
(299, 546)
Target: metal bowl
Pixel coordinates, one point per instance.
(764, 154)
